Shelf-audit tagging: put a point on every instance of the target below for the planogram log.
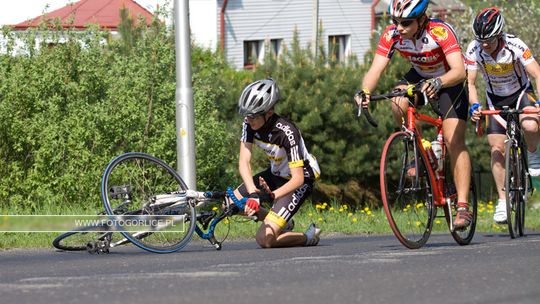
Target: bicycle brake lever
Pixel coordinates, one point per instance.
(359, 111)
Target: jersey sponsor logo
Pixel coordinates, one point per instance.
(499, 68)
(423, 58)
(527, 54)
(440, 32)
(388, 35)
(297, 196)
(288, 132)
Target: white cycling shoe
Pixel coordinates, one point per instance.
(500, 212)
(534, 163)
(312, 235)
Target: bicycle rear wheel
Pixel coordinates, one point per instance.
(514, 187)
(407, 198)
(130, 185)
(78, 239)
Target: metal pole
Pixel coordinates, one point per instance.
(185, 114)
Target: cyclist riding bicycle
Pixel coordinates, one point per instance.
(290, 178)
(432, 48)
(505, 62)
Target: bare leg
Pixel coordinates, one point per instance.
(529, 123)
(496, 142)
(269, 236)
(460, 162)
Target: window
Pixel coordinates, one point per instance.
(338, 47)
(275, 45)
(252, 53)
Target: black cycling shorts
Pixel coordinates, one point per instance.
(453, 101)
(284, 208)
(496, 126)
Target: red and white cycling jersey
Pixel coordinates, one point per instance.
(427, 53)
(505, 74)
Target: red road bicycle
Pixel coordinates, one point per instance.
(517, 181)
(413, 186)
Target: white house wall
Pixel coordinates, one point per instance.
(277, 19)
(204, 22)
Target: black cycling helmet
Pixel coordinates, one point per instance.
(489, 23)
(258, 97)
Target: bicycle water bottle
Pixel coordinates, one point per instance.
(431, 156)
(437, 150)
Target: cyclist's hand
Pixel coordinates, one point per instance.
(362, 98)
(432, 87)
(264, 191)
(474, 112)
(252, 204)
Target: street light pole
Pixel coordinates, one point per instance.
(185, 113)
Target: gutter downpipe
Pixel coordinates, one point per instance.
(222, 24)
(373, 5)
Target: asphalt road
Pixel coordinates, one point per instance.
(359, 269)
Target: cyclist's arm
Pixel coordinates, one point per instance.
(244, 166)
(297, 179)
(375, 71)
(533, 69)
(456, 74)
(471, 84)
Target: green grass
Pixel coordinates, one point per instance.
(333, 218)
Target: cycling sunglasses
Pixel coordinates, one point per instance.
(403, 22)
(488, 41)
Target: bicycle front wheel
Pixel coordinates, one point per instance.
(131, 185)
(406, 190)
(514, 187)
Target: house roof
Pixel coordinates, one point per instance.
(105, 13)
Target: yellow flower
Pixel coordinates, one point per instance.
(214, 209)
(310, 214)
(320, 219)
(345, 207)
(349, 214)
(331, 209)
(419, 205)
(340, 209)
(368, 212)
(418, 223)
(438, 222)
(354, 220)
(366, 209)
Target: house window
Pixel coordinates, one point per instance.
(275, 45)
(338, 47)
(252, 53)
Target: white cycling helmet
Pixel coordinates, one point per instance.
(258, 97)
(407, 9)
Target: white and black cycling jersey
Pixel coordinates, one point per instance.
(505, 74)
(283, 145)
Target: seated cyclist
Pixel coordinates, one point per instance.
(505, 62)
(432, 48)
(289, 179)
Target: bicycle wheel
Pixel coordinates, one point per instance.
(77, 240)
(407, 198)
(463, 236)
(513, 187)
(527, 184)
(131, 184)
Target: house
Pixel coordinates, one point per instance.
(437, 8)
(78, 15)
(246, 30)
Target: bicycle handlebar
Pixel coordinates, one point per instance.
(504, 111)
(409, 93)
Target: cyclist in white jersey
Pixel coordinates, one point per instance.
(505, 61)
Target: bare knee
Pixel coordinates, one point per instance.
(266, 240)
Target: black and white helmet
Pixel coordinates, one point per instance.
(489, 23)
(258, 97)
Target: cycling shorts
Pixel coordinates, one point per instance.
(285, 207)
(496, 124)
(453, 101)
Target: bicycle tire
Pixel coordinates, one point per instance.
(527, 184)
(464, 236)
(78, 239)
(407, 200)
(142, 177)
(512, 185)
